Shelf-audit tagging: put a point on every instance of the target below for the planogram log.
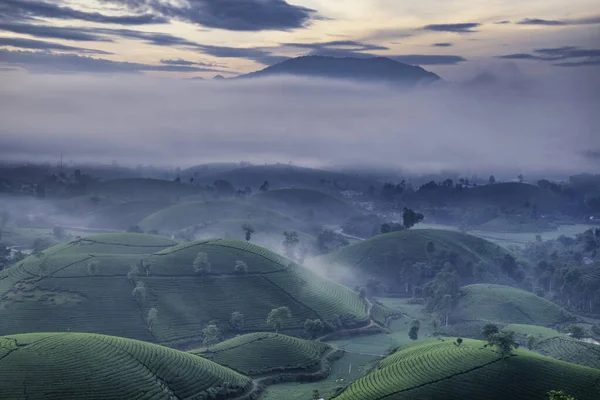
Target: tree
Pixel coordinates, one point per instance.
(152, 318)
(492, 179)
(459, 341)
(241, 268)
(134, 271)
(559, 395)
(576, 331)
(313, 327)
(411, 218)
(145, 266)
(489, 329)
(362, 293)
(520, 178)
(416, 323)
(248, 231)
(413, 334)
(237, 320)
(264, 187)
(135, 229)
(210, 335)
(92, 268)
(503, 341)
(139, 292)
(316, 395)
(530, 341)
(290, 244)
(278, 316)
(202, 264)
(58, 232)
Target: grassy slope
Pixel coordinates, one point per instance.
(441, 370)
(113, 243)
(76, 365)
(507, 305)
(382, 255)
(259, 353)
(65, 297)
(184, 215)
(299, 202)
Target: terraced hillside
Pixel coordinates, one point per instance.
(261, 353)
(141, 189)
(445, 371)
(507, 305)
(124, 215)
(77, 365)
(85, 288)
(556, 345)
(113, 243)
(184, 215)
(305, 204)
(382, 256)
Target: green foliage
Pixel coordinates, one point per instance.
(313, 327)
(559, 395)
(316, 395)
(76, 365)
(237, 320)
(410, 218)
(152, 317)
(201, 264)
(459, 341)
(241, 268)
(139, 292)
(503, 341)
(489, 329)
(210, 335)
(413, 334)
(261, 353)
(530, 342)
(576, 331)
(278, 316)
(248, 231)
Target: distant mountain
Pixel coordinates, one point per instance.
(377, 69)
(218, 77)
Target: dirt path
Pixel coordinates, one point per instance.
(371, 324)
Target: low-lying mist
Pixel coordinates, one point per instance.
(549, 125)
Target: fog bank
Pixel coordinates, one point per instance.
(484, 125)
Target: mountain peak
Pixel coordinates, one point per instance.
(374, 69)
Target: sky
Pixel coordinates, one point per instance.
(203, 38)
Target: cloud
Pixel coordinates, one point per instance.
(458, 28)
(55, 32)
(502, 22)
(428, 59)
(551, 22)
(137, 119)
(30, 9)
(181, 61)
(235, 15)
(42, 45)
(445, 44)
(348, 45)
(46, 62)
(588, 57)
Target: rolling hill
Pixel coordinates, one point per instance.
(374, 69)
(77, 365)
(86, 288)
(124, 215)
(382, 256)
(261, 353)
(506, 305)
(305, 205)
(188, 214)
(442, 370)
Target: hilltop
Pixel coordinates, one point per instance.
(374, 69)
(443, 370)
(383, 257)
(78, 365)
(87, 286)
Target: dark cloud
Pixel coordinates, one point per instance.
(502, 22)
(555, 22)
(583, 57)
(348, 45)
(30, 9)
(428, 59)
(46, 62)
(235, 15)
(181, 61)
(445, 44)
(458, 28)
(42, 45)
(56, 32)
